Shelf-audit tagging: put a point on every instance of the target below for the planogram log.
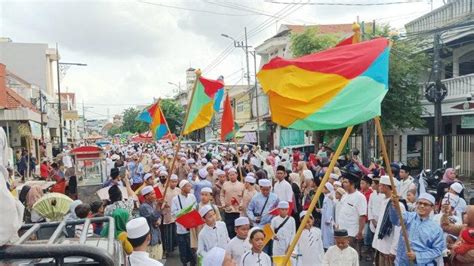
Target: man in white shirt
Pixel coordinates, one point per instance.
(213, 233)
(353, 211)
(406, 182)
(386, 235)
(282, 188)
(341, 254)
(284, 227)
(138, 234)
(182, 201)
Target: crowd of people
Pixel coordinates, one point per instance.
(251, 203)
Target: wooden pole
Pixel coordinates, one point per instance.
(319, 190)
(392, 182)
(238, 158)
(178, 144)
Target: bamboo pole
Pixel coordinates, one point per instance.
(319, 190)
(178, 144)
(238, 158)
(392, 182)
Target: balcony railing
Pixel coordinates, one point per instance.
(447, 14)
(458, 87)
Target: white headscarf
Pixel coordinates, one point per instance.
(9, 207)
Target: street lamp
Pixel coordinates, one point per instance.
(176, 85)
(245, 47)
(59, 95)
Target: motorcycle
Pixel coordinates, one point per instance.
(431, 179)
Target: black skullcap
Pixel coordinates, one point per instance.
(281, 168)
(367, 179)
(340, 233)
(406, 168)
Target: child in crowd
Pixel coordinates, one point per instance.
(83, 211)
(97, 209)
(341, 253)
(237, 245)
(411, 200)
(256, 256)
(284, 228)
(310, 246)
(213, 233)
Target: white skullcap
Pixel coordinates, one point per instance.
(173, 177)
(215, 256)
(283, 205)
(329, 186)
(156, 166)
(452, 200)
(162, 168)
(209, 165)
(214, 161)
(241, 221)
(191, 161)
(457, 187)
(275, 152)
(251, 173)
(146, 190)
(385, 180)
(338, 183)
(340, 190)
(303, 213)
(427, 196)
(232, 170)
(183, 159)
(204, 210)
(147, 175)
(264, 183)
(233, 151)
(227, 167)
(250, 179)
(334, 176)
(308, 175)
(255, 161)
(183, 183)
(203, 173)
(206, 189)
(204, 161)
(115, 157)
(163, 173)
(219, 172)
(137, 228)
(170, 156)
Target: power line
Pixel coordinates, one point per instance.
(196, 10)
(345, 4)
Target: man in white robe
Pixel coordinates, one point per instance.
(284, 228)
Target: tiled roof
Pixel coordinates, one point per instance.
(14, 100)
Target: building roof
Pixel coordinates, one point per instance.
(14, 100)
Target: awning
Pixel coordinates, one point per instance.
(252, 126)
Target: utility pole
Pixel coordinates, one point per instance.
(84, 118)
(244, 45)
(438, 98)
(41, 111)
(61, 144)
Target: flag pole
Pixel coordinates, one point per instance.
(319, 190)
(178, 144)
(392, 182)
(238, 157)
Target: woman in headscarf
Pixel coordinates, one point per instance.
(34, 194)
(121, 217)
(449, 178)
(460, 255)
(71, 188)
(269, 167)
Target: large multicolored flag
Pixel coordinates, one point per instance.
(332, 89)
(227, 124)
(202, 104)
(219, 96)
(154, 116)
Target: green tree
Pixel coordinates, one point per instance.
(130, 123)
(174, 114)
(400, 108)
(114, 130)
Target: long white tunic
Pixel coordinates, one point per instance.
(388, 244)
(142, 258)
(255, 259)
(337, 257)
(237, 248)
(310, 248)
(210, 237)
(285, 234)
(373, 209)
(283, 190)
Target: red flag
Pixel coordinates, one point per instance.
(227, 125)
(346, 41)
(276, 211)
(190, 220)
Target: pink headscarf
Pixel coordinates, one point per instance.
(271, 160)
(446, 178)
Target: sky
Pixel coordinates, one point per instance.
(134, 49)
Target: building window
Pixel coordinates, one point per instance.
(240, 107)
